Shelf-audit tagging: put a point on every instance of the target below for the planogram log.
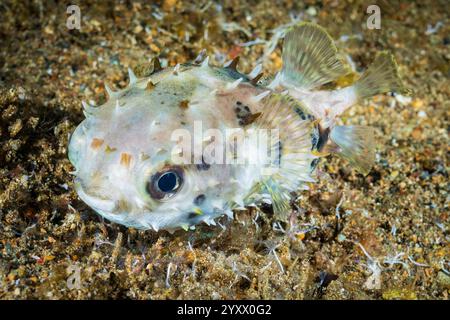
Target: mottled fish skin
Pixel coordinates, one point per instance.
(124, 148)
(117, 148)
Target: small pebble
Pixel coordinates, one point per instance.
(311, 11)
(422, 114)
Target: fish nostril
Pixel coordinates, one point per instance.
(199, 199)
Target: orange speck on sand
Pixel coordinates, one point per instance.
(154, 47)
(234, 52)
(96, 143)
(169, 4)
(417, 134)
(276, 60)
(125, 159)
(417, 104)
(301, 236)
(49, 258)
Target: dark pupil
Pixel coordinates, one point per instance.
(167, 182)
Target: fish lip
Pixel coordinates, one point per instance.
(95, 203)
(75, 144)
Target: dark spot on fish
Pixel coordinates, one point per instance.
(323, 138)
(280, 151)
(199, 199)
(314, 164)
(244, 115)
(192, 215)
(300, 112)
(250, 119)
(184, 104)
(203, 166)
(241, 111)
(315, 136)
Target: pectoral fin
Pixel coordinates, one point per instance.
(289, 157)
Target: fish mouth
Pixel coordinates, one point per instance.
(96, 203)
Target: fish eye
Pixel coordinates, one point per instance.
(168, 182)
(165, 184)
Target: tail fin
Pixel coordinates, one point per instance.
(381, 77)
(310, 57)
(355, 144)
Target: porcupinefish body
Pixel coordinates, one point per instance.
(193, 142)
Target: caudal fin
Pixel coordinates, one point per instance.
(381, 77)
(356, 145)
(310, 57)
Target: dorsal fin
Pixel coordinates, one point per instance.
(310, 57)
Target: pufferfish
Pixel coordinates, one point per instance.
(132, 169)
